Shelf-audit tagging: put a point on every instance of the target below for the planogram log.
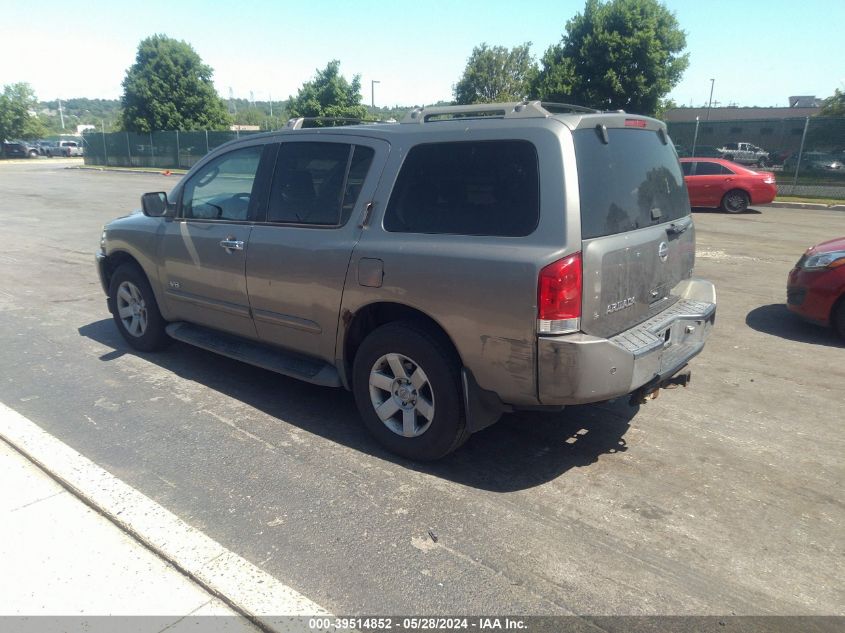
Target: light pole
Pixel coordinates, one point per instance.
(710, 101)
(373, 92)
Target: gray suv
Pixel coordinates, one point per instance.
(467, 261)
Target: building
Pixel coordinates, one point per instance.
(777, 129)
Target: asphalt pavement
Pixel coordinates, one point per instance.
(724, 498)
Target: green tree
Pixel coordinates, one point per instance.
(329, 94)
(16, 121)
(169, 88)
(662, 106)
(834, 105)
(496, 73)
(618, 54)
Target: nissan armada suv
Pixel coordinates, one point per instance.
(468, 261)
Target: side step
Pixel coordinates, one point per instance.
(270, 358)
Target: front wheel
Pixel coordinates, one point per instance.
(406, 383)
(33, 153)
(735, 201)
(135, 311)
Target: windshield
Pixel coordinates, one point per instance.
(632, 181)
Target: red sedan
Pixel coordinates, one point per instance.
(815, 289)
(714, 182)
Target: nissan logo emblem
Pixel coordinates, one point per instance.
(663, 251)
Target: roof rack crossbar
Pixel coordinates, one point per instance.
(510, 110)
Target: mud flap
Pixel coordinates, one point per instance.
(482, 407)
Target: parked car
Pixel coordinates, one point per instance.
(65, 148)
(427, 266)
(815, 161)
(19, 149)
(705, 151)
(815, 289)
(682, 150)
(745, 154)
(44, 147)
(714, 182)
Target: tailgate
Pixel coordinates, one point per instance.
(638, 238)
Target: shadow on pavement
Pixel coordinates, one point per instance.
(522, 450)
(777, 320)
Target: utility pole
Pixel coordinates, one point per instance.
(373, 92)
(61, 113)
(271, 105)
(710, 101)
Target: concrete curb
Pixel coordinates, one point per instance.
(248, 590)
(806, 205)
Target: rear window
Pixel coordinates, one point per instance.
(467, 188)
(628, 183)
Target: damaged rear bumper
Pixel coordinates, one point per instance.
(580, 368)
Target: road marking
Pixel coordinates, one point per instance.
(243, 586)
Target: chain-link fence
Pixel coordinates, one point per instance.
(164, 150)
(807, 154)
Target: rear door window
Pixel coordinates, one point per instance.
(631, 182)
(317, 183)
(467, 188)
(710, 169)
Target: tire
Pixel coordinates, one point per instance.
(33, 153)
(405, 369)
(735, 201)
(837, 318)
(135, 311)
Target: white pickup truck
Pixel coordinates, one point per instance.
(745, 154)
(65, 148)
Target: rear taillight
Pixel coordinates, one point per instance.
(559, 296)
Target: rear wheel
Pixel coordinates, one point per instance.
(735, 201)
(135, 310)
(33, 153)
(406, 384)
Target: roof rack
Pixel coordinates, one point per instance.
(511, 110)
(298, 123)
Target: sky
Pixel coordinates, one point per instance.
(758, 51)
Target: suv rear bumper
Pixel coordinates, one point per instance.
(580, 368)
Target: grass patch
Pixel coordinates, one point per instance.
(149, 170)
(828, 201)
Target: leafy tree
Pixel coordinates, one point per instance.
(169, 88)
(329, 94)
(662, 106)
(834, 105)
(16, 122)
(618, 54)
(495, 74)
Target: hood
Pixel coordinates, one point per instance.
(836, 244)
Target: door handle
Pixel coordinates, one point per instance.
(231, 244)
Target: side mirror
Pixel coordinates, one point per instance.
(154, 205)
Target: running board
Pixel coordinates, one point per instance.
(254, 353)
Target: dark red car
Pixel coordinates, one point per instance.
(816, 286)
(715, 182)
